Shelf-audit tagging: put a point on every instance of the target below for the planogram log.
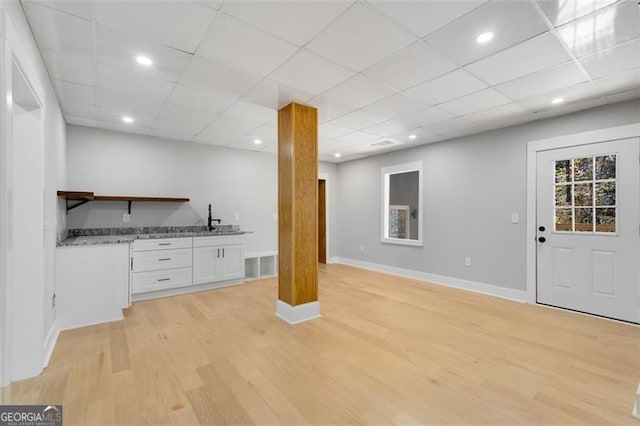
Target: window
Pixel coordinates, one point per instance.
(402, 204)
(585, 194)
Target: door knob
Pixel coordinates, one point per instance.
(542, 239)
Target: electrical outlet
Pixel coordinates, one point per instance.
(361, 247)
(126, 217)
(467, 261)
(515, 218)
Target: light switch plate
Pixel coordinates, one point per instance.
(515, 218)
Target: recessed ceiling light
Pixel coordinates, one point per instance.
(412, 137)
(127, 120)
(144, 60)
(485, 37)
(257, 141)
(337, 155)
(557, 101)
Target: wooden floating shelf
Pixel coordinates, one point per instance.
(83, 197)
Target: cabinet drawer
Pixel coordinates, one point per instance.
(143, 282)
(162, 244)
(161, 259)
(217, 240)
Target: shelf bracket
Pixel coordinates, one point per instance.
(73, 206)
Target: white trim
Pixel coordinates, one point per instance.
(384, 219)
(636, 407)
(325, 177)
(535, 146)
(474, 286)
(333, 259)
(50, 342)
(158, 294)
(299, 313)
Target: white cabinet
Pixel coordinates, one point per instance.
(161, 264)
(219, 258)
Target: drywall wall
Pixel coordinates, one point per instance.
(240, 185)
(472, 185)
(51, 220)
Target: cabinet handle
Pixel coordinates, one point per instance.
(223, 252)
(166, 258)
(164, 244)
(164, 279)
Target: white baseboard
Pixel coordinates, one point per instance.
(50, 342)
(299, 313)
(636, 408)
(333, 260)
(477, 287)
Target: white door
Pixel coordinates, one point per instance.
(206, 264)
(588, 228)
(232, 262)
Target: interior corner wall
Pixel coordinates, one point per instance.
(472, 185)
(27, 55)
(240, 185)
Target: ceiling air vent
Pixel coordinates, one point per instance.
(382, 144)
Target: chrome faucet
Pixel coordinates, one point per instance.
(210, 221)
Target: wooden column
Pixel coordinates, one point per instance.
(298, 213)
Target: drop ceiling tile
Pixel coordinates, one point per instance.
(424, 17)
(172, 134)
(310, 73)
(511, 21)
(358, 120)
(127, 101)
(453, 128)
(81, 121)
(533, 55)
(360, 37)
(267, 134)
(201, 99)
(115, 116)
(567, 108)
(79, 110)
(244, 47)
(296, 22)
(358, 92)
(358, 137)
(180, 25)
(328, 109)
(119, 80)
(450, 86)
(613, 61)
(618, 82)
(544, 81)
(387, 128)
(275, 95)
(478, 101)
(216, 4)
(503, 114)
(187, 115)
(207, 75)
(225, 129)
(394, 106)
(562, 11)
(330, 130)
(412, 65)
(120, 50)
(123, 127)
(253, 112)
(425, 116)
(75, 93)
(77, 8)
(172, 128)
(75, 69)
(60, 32)
(604, 28)
(570, 94)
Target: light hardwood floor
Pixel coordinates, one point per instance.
(386, 350)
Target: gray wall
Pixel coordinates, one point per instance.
(233, 181)
(472, 185)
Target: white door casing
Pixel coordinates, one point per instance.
(587, 254)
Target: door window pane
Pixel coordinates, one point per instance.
(563, 195)
(606, 193)
(584, 194)
(584, 220)
(606, 167)
(583, 168)
(563, 171)
(605, 220)
(563, 220)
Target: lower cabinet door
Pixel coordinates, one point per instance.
(205, 264)
(144, 282)
(232, 262)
